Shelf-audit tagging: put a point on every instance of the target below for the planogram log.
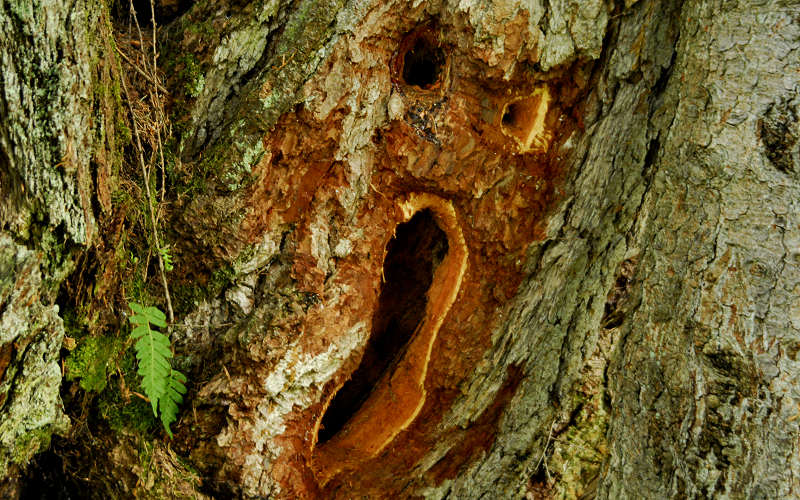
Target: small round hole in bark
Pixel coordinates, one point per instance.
(523, 120)
(423, 64)
(412, 257)
(511, 116)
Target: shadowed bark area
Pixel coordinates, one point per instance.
(598, 299)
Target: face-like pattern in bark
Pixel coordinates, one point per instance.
(403, 118)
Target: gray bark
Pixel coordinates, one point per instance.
(648, 351)
(46, 216)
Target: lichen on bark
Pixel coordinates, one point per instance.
(48, 183)
(30, 375)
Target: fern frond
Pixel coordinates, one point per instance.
(166, 257)
(152, 351)
(163, 385)
(173, 396)
(154, 367)
(156, 317)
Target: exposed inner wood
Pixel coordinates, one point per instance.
(524, 120)
(446, 140)
(398, 396)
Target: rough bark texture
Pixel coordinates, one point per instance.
(615, 312)
(48, 55)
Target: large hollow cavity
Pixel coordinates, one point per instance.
(423, 63)
(412, 257)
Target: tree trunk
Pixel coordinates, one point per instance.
(446, 249)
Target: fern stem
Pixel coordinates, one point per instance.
(140, 154)
(150, 210)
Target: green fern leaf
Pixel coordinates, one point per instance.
(166, 258)
(154, 367)
(156, 317)
(152, 352)
(162, 385)
(173, 396)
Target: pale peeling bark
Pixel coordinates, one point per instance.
(624, 321)
(31, 333)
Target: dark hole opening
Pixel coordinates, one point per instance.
(422, 64)
(166, 11)
(412, 256)
(46, 479)
(511, 116)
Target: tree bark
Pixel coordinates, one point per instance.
(446, 249)
(52, 189)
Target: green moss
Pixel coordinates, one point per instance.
(188, 466)
(578, 454)
(74, 326)
(194, 80)
(185, 297)
(101, 364)
(136, 415)
(131, 413)
(131, 255)
(124, 134)
(221, 279)
(202, 28)
(30, 443)
(91, 361)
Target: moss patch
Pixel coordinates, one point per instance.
(92, 360)
(30, 443)
(578, 454)
(123, 410)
